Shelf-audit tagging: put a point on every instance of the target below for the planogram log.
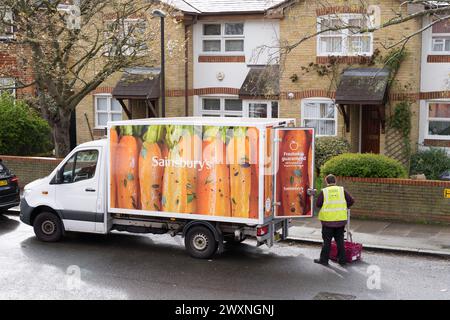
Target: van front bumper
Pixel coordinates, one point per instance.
(25, 211)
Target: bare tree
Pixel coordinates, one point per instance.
(73, 48)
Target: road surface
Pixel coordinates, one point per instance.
(125, 266)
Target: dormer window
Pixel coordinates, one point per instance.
(223, 37)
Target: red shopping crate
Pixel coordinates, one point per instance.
(353, 251)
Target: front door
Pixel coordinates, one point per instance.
(370, 129)
(78, 190)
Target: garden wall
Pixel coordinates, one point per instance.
(28, 169)
(399, 199)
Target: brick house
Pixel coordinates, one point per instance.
(13, 68)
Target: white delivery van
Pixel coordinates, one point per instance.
(209, 180)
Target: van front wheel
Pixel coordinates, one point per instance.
(48, 227)
(200, 242)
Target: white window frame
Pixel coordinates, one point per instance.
(222, 37)
(438, 35)
(345, 34)
(126, 24)
(9, 16)
(108, 111)
(222, 112)
(268, 104)
(13, 83)
(320, 100)
(428, 119)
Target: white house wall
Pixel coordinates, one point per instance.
(257, 33)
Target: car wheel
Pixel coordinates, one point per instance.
(48, 227)
(200, 242)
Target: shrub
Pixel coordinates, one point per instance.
(432, 163)
(328, 147)
(22, 131)
(365, 165)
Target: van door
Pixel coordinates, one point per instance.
(294, 172)
(78, 191)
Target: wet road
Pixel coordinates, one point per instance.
(123, 266)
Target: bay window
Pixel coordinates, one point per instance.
(106, 109)
(233, 107)
(320, 114)
(223, 37)
(343, 42)
(439, 120)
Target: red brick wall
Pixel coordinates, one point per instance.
(399, 199)
(29, 169)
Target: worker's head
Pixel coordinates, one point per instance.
(330, 180)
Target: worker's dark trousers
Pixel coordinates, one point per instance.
(327, 235)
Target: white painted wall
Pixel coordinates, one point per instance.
(257, 33)
(434, 76)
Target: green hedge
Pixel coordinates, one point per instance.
(22, 131)
(432, 163)
(365, 165)
(328, 147)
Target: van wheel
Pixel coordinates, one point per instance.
(200, 242)
(48, 227)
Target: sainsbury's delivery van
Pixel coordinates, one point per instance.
(209, 180)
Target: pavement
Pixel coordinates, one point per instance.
(134, 266)
(392, 236)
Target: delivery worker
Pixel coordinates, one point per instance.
(333, 202)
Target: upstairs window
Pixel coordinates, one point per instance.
(223, 38)
(6, 20)
(128, 34)
(343, 42)
(440, 39)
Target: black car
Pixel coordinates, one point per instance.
(9, 189)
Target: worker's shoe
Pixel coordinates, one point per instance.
(324, 263)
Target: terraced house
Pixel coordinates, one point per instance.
(238, 58)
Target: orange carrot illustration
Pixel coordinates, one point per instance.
(114, 141)
(150, 172)
(127, 177)
(180, 177)
(253, 137)
(238, 154)
(213, 187)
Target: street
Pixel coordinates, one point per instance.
(125, 266)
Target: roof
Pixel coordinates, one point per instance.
(222, 6)
(363, 86)
(138, 83)
(261, 81)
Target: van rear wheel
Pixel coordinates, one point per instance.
(48, 227)
(200, 242)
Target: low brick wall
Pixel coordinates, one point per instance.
(28, 169)
(399, 199)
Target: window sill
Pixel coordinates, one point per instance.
(433, 142)
(217, 58)
(343, 59)
(438, 58)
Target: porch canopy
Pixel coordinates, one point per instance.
(262, 82)
(140, 83)
(362, 86)
(365, 86)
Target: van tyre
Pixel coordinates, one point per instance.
(48, 227)
(200, 242)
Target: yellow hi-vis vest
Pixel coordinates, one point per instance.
(334, 206)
